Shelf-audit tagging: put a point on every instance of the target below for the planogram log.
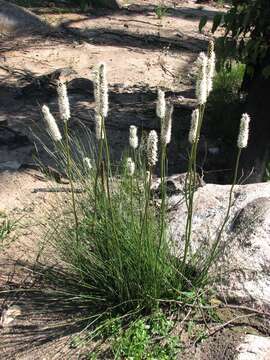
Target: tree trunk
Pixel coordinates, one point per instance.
(106, 4)
(256, 155)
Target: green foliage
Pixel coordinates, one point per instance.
(134, 341)
(228, 80)
(115, 256)
(6, 227)
(142, 339)
(225, 104)
(247, 32)
(161, 11)
(146, 337)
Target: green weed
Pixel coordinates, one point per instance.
(161, 11)
(6, 227)
(225, 103)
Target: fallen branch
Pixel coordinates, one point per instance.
(57, 190)
(230, 322)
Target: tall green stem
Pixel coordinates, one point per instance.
(147, 199)
(213, 252)
(69, 173)
(191, 179)
(163, 202)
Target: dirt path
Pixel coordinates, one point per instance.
(142, 52)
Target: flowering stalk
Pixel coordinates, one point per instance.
(243, 132)
(63, 101)
(51, 123)
(161, 104)
(211, 63)
(130, 165)
(204, 82)
(69, 174)
(101, 111)
(152, 158)
(130, 169)
(241, 143)
(194, 126)
(133, 137)
(191, 178)
(203, 88)
(56, 135)
(103, 88)
(201, 85)
(166, 126)
(152, 149)
(101, 91)
(99, 127)
(166, 130)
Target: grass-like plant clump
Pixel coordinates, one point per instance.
(116, 259)
(6, 227)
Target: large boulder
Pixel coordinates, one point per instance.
(234, 346)
(244, 262)
(16, 19)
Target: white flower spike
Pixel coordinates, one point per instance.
(63, 101)
(130, 167)
(101, 90)
(98, 126)
(152, 148)
(211, 63)
(87, 163)
(133, 137)
(166, 126)
(51, 123)
(161, 104)
(201, 86)
(243, 132)
(96, 83)
(104, 101)
(193, 126)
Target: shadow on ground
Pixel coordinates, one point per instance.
(51, 312)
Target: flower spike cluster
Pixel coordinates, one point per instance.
(101, 99)
(101, 90)
(130, 167)
(87, 163)
(104, 101)
(51, 123)
(166, 126)
(201, 85)
(194, 126)
(211, 66)
(63, 101)
(99, 127)
(161, 104)
(243, 132)
(206, 70)
(133, 137)
(152, 148)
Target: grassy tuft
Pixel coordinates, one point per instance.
(115, 261)
(6, 227)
